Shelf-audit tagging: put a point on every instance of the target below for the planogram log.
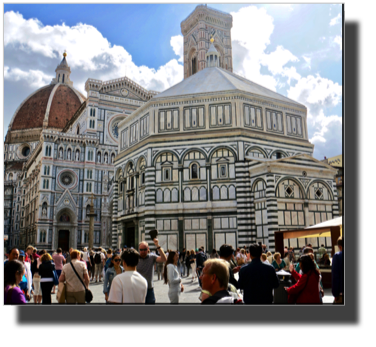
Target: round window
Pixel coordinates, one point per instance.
(66, 179)
(25, 151)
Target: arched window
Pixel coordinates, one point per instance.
(194, 171)
(58, 79)
(63, 77)
(86, 237)
(78, 130)
(42, 236)
(99, 157)
(112, 158)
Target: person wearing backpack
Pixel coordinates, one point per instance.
(98, 261)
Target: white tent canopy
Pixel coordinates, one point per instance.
(329, 223)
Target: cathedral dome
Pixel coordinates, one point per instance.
(51, 106)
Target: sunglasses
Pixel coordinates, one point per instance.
(117, 260)
(143, 249)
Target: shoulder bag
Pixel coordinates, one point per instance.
(88, 293)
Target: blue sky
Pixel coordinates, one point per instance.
(295, 50)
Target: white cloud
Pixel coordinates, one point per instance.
(101, 60)
(316, 92)
(249, 48)
(336, 20)
(34, 78)
(177, 44)
(338, 41)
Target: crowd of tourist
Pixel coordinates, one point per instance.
(128, 274)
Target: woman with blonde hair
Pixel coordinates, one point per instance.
(46, 273)
(71, 275)
(278, 263)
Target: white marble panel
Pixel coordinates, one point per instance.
(169, 120)
(288, 121)
(175, 175)
(201, 240)
(215, 193)
(259, 118)
(174, 224)
(186, 116)
(220, 115)
(231, 239)
(194, 118)
(247, 119)
(231, 192)
(287, 218)
(329, 208)
(293, 125)
(214, 172)
(266, 230)
(224, 223)
(290, 206)
(201, 117)
(213, 120)
(173, 242)
(301, 218)
(160, 224)
(279, 121)
(317, 217)
(186, 174)
(232, 170)
(320, 207)
(281, 220)
(190, 242)
(203, 173)
(224, 193)
(195, 224)
(188, 224)
(167, 195)
(259, 231)
(187, 194)
(227, 114)
(174, 195)
(233, 223)
(294, 217)
(299, 125)
(194, 194)
(219, 240)
(158, 176)
(162, 241)
(176, 119)
(217, 223)
(166, 224)
(159, 196)
(258, 217)
(203, 224)
(202, 193)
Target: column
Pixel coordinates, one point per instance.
(114, 215)
(271, 204)
(245, 213)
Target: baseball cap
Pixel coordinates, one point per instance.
(22, 253)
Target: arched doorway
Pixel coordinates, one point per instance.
(65, 229)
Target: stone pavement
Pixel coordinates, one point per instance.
(190, 294)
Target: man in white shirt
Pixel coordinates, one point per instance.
(129, 287)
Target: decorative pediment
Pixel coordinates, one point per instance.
(44, 199)
(66, 201)
(222, 160)
(268, 151)
(207, 149)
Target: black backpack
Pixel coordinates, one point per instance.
(97, 258)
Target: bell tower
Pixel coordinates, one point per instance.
(63, 72)
(203, 24)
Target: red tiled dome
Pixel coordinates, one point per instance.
(63, 106)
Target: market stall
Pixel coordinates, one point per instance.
(331, 228)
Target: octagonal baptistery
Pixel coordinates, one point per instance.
(218, 159)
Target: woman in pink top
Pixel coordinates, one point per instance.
(59, 261)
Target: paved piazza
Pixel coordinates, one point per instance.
(189, 296)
